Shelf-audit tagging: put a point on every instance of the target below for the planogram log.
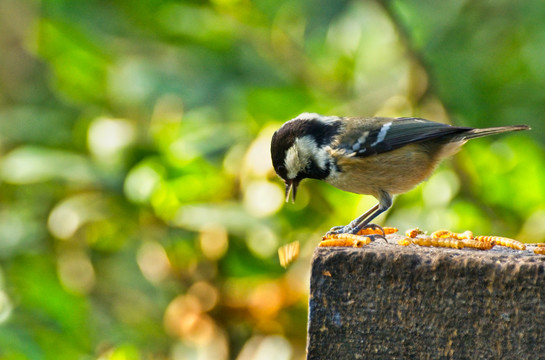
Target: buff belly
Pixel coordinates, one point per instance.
(394, 172)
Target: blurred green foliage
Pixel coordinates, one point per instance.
(140, 216)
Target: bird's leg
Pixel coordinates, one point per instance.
(384, 203)
(360, 219)
(365, 224)
(348, 229)
(363, 221)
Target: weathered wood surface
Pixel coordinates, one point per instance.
(388, 301)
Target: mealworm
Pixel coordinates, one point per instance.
(422, 241)
(449, 234)
(442, 234)
(476, 244)
(343, 243)
(412, 233)
(540, 250)
(439, 242)
(344, 240)
(370, 231)
(468, 234)
(450, 242)
(503, 241)
(406, 242)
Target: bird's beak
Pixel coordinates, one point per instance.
(291, 187)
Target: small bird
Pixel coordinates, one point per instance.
(376, 156)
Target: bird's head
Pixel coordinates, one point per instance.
(298, 149)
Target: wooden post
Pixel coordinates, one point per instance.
(388, 301)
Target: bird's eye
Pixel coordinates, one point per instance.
(281, 169)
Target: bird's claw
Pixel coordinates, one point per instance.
(339, 230)
(348, 229)
(374, 227)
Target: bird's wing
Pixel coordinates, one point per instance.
(366, 137)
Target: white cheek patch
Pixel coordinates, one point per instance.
(293, 162)
(299, 155)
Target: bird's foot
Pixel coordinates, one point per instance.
(370, 230)
(339, 230)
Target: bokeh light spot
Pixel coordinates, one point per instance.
(266, 300)
(70, 214)
(262, 241)
(273, 347)
(533, 229)
(5, 307)
(107, 137)
(130, 81)
(76, 271)
(440, 189)
(206, 294)
(184, 318)
(257, 160)
(63, 221)
(263, 198)
(153, 262)
(141, 182)
(214, 241)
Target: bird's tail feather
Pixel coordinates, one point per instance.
(475, 133)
